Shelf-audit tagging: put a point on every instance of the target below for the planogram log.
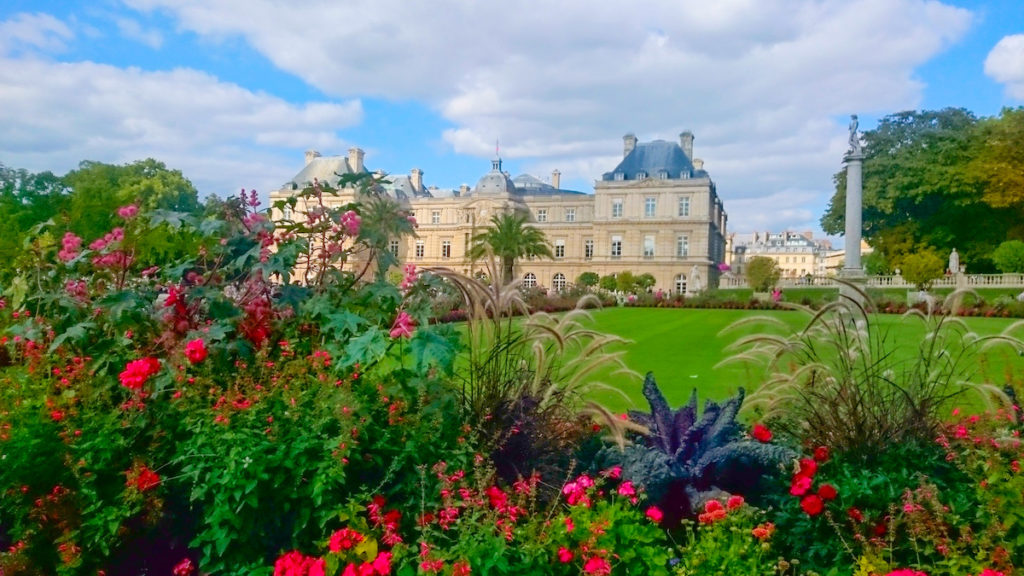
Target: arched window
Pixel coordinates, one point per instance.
(530, 280)
(681, 284)
(559, 282)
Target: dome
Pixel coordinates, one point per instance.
(494, 182)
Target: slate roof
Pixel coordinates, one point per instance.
(651, 157)
(323, 168)
(533, 186)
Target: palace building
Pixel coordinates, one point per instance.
(657, 212)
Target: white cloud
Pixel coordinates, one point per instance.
(33, 33)
(764, 84)
(223, 136)
(131, 29)
(1005, 64)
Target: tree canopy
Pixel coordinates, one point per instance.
(942, 179)
(509, 238)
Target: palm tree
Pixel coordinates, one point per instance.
(509, 238)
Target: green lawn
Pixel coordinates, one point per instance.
(682, 346)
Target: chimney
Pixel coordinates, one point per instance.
(698, 164)
(416, 179)
(556, 178)
(809, 235)
(464, 190)
(310, 155)
(355, 159)
(628, 144)
(686, 141)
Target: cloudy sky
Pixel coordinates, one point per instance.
(232, 92)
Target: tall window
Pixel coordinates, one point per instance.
(570, 214)
(530, 280)
(419, 249)
(542, 215)
(616, 247)
(650, 206)
(588, 248)
(287, 212)
(682, 246)
(393, 247)
(617, 208)
(446, 249)
(681, 284)
(684, 205)
(649, 246)
(559, 248)
(558, 282)
(435, 217)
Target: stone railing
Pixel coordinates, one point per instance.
(892, 281)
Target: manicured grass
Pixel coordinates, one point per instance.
(682, 347)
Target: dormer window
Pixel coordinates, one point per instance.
(684, 174)
(662, 174)
(619, 176)
(641, 175)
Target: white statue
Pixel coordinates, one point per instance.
(854, 137)
(954, 262)
(695, 284)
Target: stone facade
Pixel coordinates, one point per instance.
(657, 212)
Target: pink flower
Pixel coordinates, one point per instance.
(344, 539)
(990, 572)
(382, 564)
(615, 472)
(800, 485)
(351, 221)
(627, 489)
(761, 433)
(569, 526)
(734, 502)
(403, 326)
(597, 565)
(655, 514)
(713, 506)
(70, 247)
(410, 277)
(128, 212)
(184, 568)
(906, 572)
(564, 555)
(196, 351)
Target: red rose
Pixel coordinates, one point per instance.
(761, 433)
(808, 467)
(800, 485)
(196, 351)
(812, 505)
(821, 454)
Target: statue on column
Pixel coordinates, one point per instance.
(954, 262)
(854, 137)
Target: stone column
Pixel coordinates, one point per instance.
(852, 267)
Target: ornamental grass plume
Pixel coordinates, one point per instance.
(844, 382)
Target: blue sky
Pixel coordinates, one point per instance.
(232, 92)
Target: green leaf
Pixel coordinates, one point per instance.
(366, 348)
(431, 348)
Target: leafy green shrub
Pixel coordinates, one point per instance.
(922, 268)
(1009, 257)
(762, 273)
(588, 279)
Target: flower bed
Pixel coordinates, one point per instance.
(211, 415)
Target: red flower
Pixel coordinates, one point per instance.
(712, 506)
(57, 415)
(827, 492)
(147, 479)
(137, 372)
(382, 564)
(734, 502)
(855, 515)
(196, 351)
(564, 555)
(812, 505)
(763, 531)
(344, 539)
(761, 433)
(808, 467)
(461, 569)
(821, 453)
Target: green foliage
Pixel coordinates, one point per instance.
(682, 461)
(922, 268)
(1009, 257)
(738, 543)
(762, 273)
(942, 178)
(608, 283)
(645, 281)
(588, 279)
(509, 238)
(625, 282)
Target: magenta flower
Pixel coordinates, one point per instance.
(403, 326)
